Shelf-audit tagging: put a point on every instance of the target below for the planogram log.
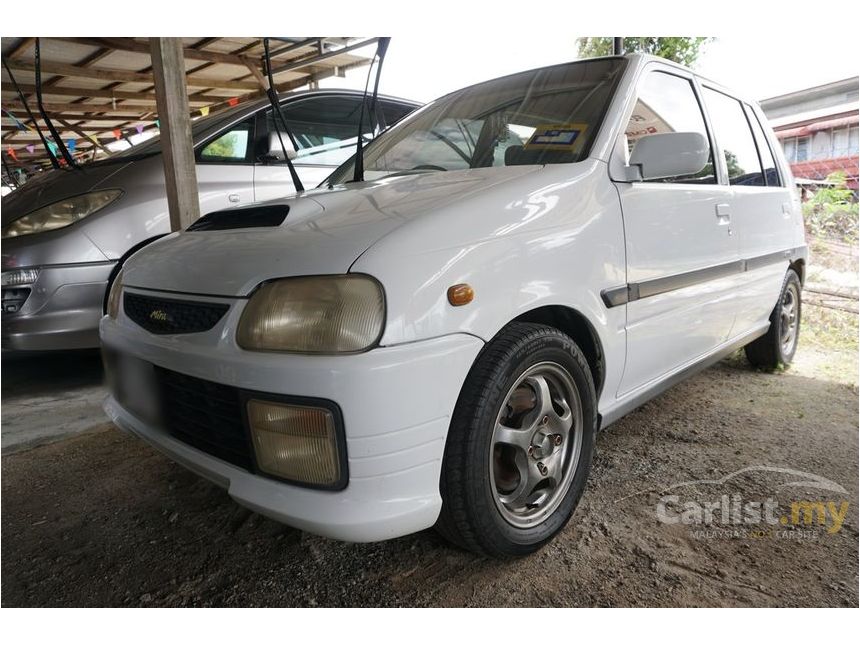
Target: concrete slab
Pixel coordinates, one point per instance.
(49, 396)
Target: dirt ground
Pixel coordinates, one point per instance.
(101, 519)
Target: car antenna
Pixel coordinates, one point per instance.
(57, 139)
(23, 100)
(381, 48)
(278, 116)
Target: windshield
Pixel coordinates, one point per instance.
(543, 116)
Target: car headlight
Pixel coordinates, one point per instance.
(113, 296)
(61, 214)
(315, 315)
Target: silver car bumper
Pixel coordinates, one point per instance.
(62, 310)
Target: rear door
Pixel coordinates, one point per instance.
(324, 127)
(763, 211)
(682, 254)
(225, 167)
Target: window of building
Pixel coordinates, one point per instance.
(802, 153)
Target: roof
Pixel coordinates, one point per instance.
(100, 90)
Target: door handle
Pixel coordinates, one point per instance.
(724, 213)
(233, 197)
(786, 209)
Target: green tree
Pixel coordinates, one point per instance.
(832, 211)
(681, 49)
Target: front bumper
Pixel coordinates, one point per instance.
(62, 310)
(396, 403)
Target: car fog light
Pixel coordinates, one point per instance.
(296, 442)
(19, 277)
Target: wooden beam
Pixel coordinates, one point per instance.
(119, 95)
(14, 105)
(176, 143)
(190, 53)
(124, 76)
(258, 76)
(20, 47)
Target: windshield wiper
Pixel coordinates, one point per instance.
(54, 162)
(57, 139)
(278, 116)
(381, 48)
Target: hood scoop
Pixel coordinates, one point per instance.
(245, 217)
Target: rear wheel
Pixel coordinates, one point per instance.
(778, 345)
(520, 445)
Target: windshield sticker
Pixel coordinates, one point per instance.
(564, 136)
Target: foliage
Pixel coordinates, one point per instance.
(683, 50)
(832, 212)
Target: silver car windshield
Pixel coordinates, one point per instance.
(543, 116)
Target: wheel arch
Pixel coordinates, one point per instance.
(579, 328)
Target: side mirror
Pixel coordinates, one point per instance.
(670, 154)
(276, 152)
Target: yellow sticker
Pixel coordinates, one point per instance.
(557, 136)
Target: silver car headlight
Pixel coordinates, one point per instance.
(61, 214)
(314, 315)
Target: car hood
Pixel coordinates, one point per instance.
(325, 231)
(55, 185)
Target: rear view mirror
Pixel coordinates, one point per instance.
(276, 151)
(670, 154)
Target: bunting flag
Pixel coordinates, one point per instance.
(94, 139)
(233, 102)
(139, 128)
(204, 111)
(158, 124)
(117, 134)
(52, 147)
(17, 121)
(70, 144)
(11, 153)
(31, 148)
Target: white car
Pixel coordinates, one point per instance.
(525, 261)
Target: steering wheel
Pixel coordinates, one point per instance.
(429, 166)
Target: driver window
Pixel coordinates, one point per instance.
(667, 103)
(230, 147)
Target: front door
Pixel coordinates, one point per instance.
(225, 168)
(682, 253)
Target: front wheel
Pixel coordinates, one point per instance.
(778, 345)
(520, 444)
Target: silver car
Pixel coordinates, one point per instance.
(66, 232)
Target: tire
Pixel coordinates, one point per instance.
(482, 466)
(777, 347)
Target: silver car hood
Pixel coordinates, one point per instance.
(325, 231)
(55, 185)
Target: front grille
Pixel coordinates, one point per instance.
(168, 316)
(205, 415)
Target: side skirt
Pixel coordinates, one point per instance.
(648, 392)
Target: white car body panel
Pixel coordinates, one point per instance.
(576, 236)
